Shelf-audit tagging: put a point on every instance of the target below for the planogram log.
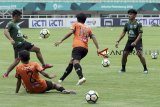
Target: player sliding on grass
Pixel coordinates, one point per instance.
(16, 38)
(28, 74)
(80, 46)
(134, 30)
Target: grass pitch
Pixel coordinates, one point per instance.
(131, 89)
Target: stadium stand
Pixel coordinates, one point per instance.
(139, 1)
(5, 12)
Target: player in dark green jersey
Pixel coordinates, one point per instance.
(17, 39)
(134, 30)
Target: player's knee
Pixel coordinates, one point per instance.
(37, 50)
(139, 55)
(75, 62)
(125, 54)
(57, 85)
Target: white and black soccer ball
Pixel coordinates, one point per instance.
(154, 55)
(105, 62)
(44, 33)
(92, 97)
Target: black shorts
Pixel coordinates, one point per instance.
(79, 52)
(24, 46)
(49, 85)
(129, 48)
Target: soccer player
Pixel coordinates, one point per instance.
(80, 46)
(16, 38)
(134, 30)
(28, 74)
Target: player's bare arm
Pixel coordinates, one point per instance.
(93, 37)
(7, 34)
(18, 85)
(47, 75)
(120, 38)
(25, 36)
(137, 39)
(64, 38)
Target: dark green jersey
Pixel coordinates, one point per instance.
(15, 32)
(133, 29)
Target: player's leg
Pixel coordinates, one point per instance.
(67, 71)
(58, 87)
(77, 54)
(124, 60)
(78, 68)
(128, 48)
(139, 50)
(14, 64)
(142, 59)
(40, 57)
(11, 67)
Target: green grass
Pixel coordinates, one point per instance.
(132, 89)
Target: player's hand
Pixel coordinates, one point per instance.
(133, 44)
(58, 43)
(52, 76)
(12, 42)
(25, 36)
(98, 52)
(117, 43)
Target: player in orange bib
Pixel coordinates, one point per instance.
(80, 46)
(28, 74)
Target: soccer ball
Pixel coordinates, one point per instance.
(105, 62)
(44, 33)
(92, 97)
(154, 55)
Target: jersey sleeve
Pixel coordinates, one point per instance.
(9, 26)
(73, 26)
(38, 67)
(125, 27)
(140, 30)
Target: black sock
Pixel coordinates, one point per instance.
(123, 67)
(67, 72)
(145, 67)
(78, 70)
(60, 89)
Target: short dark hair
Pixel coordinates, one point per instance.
(81, 17)
(132, 11)
(24, 55)
(16, 12)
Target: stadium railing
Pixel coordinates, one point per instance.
(72, 16)
(38, 16)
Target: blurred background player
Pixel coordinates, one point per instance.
(80, 46)
(28, 74)
(16, 38)
(134, 29)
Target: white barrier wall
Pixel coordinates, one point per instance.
(46, 22)
(60, 22)
(145, 21)
(93, 22)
